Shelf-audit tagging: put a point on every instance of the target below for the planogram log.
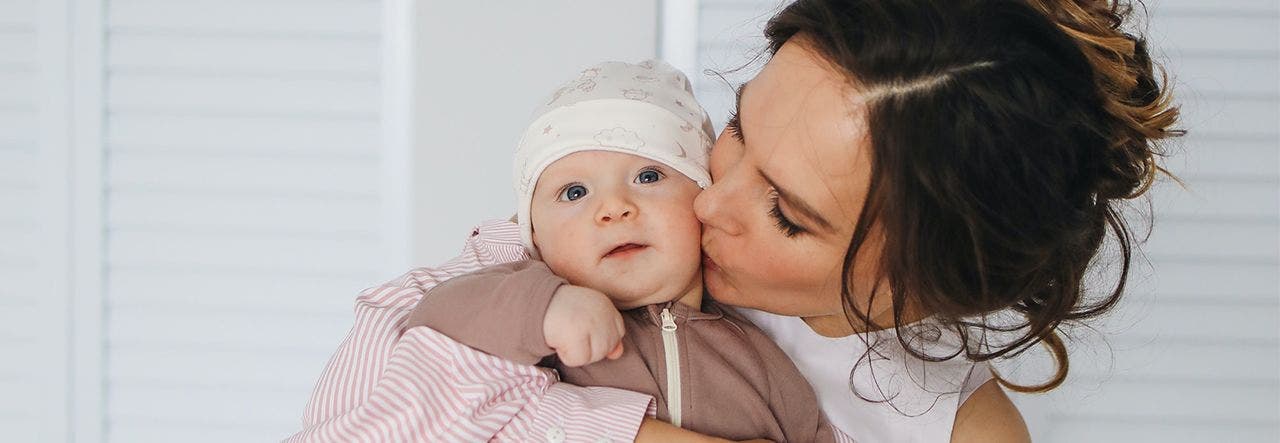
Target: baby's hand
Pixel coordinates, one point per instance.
(583, 326)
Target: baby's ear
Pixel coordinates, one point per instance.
(513, 218)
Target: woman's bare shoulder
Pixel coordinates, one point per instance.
(989, 416)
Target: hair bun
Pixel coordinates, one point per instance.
(1133, 88)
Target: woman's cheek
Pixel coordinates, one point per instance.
(782, 267)
(794, 263)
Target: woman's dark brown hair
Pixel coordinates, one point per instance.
(1005, 137)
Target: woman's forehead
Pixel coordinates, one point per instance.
(806, 128)
(800, 99)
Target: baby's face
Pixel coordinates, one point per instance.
(620, 224)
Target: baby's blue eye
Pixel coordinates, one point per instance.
(648, 176)
(573, 192)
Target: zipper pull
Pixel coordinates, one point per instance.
(668, 321)
(671, 347)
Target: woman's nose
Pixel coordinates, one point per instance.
(714, 209)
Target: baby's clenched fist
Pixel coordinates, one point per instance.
(583, 326)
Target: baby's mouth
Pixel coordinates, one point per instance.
(625, 249)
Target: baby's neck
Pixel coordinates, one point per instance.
(692, 298)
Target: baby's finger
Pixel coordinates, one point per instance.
(619, 326)
(577, 355)
(616, 353)
(601, 346)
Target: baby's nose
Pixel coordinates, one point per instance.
(622, 213)
(616, 209)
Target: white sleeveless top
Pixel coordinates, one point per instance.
(923, 397)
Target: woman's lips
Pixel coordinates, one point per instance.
(625, 250)
(708, 263)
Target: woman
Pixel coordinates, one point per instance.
(908, 189)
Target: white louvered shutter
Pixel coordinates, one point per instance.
(1196, 348)
(1194, 353)
(32, 302)
(242, 205)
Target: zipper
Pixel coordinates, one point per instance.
(671, 348)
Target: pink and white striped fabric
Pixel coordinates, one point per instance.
(386, 384)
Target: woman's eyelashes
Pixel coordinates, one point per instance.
(734, 125)
(784, 224)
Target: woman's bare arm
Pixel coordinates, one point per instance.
(989, 416)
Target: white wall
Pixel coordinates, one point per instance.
(480, 73)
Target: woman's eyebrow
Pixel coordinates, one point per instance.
(737, 109)
(799, 205)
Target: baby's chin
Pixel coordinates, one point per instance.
(625, 304)
(634, 294)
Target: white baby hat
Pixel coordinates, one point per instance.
(645, 109)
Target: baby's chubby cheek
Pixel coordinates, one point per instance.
(690, 234)
(566, 266)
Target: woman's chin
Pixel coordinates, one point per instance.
(720, 290)
(725, 292)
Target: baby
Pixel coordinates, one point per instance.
(606, 176)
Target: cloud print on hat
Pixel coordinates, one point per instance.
(619, 138)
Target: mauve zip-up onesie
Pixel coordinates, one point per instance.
(735, 382)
